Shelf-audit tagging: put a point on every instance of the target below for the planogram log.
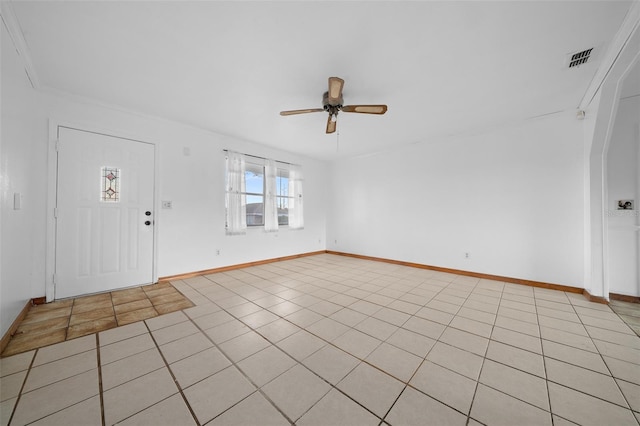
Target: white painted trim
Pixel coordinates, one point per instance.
(629, 24)
(13, 27)
(52, 173)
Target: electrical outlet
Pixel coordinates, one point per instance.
(467, 255)
(217, 252)
(167, 204)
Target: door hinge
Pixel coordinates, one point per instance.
(54, 279)
(55, 212)
(57, 145)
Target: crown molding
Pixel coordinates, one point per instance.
(17, 37)
(629, 25)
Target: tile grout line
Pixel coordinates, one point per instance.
(173, 377)
(100, 387)
(24, 382)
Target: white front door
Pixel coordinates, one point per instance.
(104, 213)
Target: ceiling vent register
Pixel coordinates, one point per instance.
(579, 58)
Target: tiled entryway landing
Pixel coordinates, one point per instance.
(328, 340)
(68, 319)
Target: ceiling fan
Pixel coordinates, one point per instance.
(332, 103)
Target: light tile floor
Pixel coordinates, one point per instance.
(330, 340)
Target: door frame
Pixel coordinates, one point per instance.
(52, 188)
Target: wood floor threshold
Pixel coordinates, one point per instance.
(237, 266)
(14, 325)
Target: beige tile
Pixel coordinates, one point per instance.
(617, 325)
(170, 411)
(278, 330)
(61, 369)
(425, 327)
(623, 370)
(248, 410)
(526, 361)
(331, 363)
(243, 346)
(357, 343)
(394, 361)
(624, 339)
(199, 366)
(471, 326)
(414, 407)
(124, 348)
(55, 397)
(227, 331)
(336, 409)
(371, 388)
(296, 391)
(517, 315)
(166, 320)
(285, 308)
(618, 351)
(16, 363)
(304, 318)
(519, 340)
(575, 356)
(434, 315)
(477, 315)
(568, 326)
(496, 408)
(301, 344)
(201, 310)
(174, 332)
(455, 359)
(445, 386)
(136, 395)
(325, 308)
(184, 347)
(348, 317)
(266, 365)
(244, 309)
(376, 328)
(122, 333)
(213, 319)
(132, 367)
(6, 410)
(328, 329)
(631, 392)
(64, 349)
(587, 381)
(11, 384)
(520, 385)
(512, 324)
(86, 412)
(463, 340)
(587, 410)
(414, 343)
(258, 319)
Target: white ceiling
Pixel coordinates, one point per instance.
(443, 68)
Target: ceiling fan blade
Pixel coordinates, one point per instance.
(301, 111)
(331, 125)
(365, 109)
(335, 90)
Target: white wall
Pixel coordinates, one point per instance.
(188, 235)
(20, 270)
(511, 197)
(622, 183)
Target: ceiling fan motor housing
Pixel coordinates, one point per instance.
(331, 108)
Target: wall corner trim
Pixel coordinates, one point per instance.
(596, 299)
(15, 324)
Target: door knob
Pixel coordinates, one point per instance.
(148, 222)
(147, 213)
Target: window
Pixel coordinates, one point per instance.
(254, 195)
(261, 194)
